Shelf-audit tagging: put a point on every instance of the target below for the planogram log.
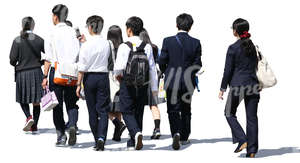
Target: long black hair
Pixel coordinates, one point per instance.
(27, 25)
(144, 36)
(241, 26)
(114, 34)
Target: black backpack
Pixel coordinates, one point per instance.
(137, 70)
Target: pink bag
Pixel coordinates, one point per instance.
(49, 100)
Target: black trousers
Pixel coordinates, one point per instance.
(132, 102)
(97, 94)
(251, 99)
(67, 95)
(179, 111)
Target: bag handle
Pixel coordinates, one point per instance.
(258, 53)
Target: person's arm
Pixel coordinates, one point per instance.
(48, 58)
(14, 54)
(80, 77)
(197, 61)
(228, 71)
(121, 61)
(153, 71)
(163, 59)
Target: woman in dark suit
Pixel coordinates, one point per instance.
(240, 75)
(25, 56)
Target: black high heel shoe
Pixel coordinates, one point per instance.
(240, 147)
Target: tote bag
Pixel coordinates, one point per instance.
(264, 73)
(49, 100)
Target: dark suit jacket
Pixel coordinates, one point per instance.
(240, 69)
(175, 60)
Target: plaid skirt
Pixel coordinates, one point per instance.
(29, 86)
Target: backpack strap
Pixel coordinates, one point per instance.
(142, 46)
(129, 44)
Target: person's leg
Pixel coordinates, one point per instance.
(173, 110)
(185, 122)
(90, 98)
(36, 113)
(251, 105)
(102, 104)
(58, 116)
(235, 96)
(156, 116)
(127, 109)
(26, 110)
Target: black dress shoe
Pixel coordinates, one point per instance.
(156, 134)
(176, 142)
(99, 145)
(118, 132)
(250, 155)
(240, 147)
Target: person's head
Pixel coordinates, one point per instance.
(134, 26)
(114, 34)
(240, 29)
(60, 13)
(69, 23)
(184, 22)
(144, 36)
(27, 25)
(95, 24)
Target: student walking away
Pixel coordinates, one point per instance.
(180, 60)
(135, 68)
(25, 56)
(62, 48)
(79, 37)
(92, 65)
(240, 75)
(152, 100)
(114, 36)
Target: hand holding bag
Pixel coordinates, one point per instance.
(49, 100)
(264, 73)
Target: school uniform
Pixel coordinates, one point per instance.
(93, 61)
(25, 56)
(178, 54)
(240, 75)
(63, 40)
(132, 100)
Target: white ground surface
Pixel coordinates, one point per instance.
(274, 26)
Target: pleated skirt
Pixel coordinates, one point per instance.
(29, 86)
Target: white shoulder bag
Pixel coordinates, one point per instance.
(264, 72)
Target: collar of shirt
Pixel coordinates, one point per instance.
(182, 31)
(61, 24)
(135, 40)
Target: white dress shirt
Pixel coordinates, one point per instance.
(64, 43)
(94, 55)
(122, 58)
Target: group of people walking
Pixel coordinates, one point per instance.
(120, 78)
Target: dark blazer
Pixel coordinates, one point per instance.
(240, 69)
(24, 57)
(173, 57)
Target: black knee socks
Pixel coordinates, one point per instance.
(157, 123)
(36, 114)
(117, 122)
(25, 108)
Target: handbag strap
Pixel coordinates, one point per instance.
(258, 53)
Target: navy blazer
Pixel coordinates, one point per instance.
(175, 59)
(240, 69)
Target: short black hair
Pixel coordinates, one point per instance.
(61, 11)
(135, 24)
(69, 23)
(184, 22)
(96, 22)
